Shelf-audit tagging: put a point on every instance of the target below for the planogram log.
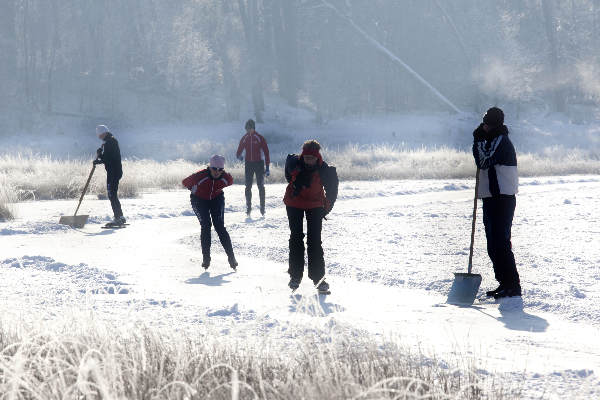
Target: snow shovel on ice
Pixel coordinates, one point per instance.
(78, 221)
(466, 285)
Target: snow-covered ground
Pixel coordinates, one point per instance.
(391, 248)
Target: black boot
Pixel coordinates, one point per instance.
(232, 262)
(491, 293)
(205, 262)
(514, 291)
(323, 288)
(294, 283)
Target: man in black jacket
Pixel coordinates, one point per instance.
(496, 159)
(110, 155)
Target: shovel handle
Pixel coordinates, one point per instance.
(474, 218)
(85, 188)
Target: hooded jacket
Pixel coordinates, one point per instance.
(496, 157)
(310, 187)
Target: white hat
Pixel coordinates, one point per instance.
(100, 129)
(217, 161)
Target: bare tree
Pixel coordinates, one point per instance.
(284, 15)
(249, 13)
(550, 27)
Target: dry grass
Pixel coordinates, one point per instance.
(41, 177)
(8, 196)
(95, 360)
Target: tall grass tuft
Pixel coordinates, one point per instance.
(99, 361)
(8, 197)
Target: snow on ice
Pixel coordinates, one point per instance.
(390, 247)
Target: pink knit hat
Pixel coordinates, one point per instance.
(217, 161)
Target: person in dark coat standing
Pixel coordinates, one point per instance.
(253, 143)
(496, 159)
(110, 155)
(208, 203)
(312, 190)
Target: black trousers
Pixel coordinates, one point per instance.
(314, 224)
(211, 212)
(112, 188)
(498, 215)
(255, 168)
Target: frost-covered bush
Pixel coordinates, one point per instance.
(85, 358)
(41, 177)
(8, 197)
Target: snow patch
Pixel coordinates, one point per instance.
(577, 293)
(33, 228)
(87, 279)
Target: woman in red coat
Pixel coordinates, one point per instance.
(208, 203)
(312, 191)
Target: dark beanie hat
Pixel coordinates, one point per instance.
(494, 117)
(250, 124)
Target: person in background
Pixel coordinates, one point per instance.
(208, 203)
(253, 143)
(312, 190)
(110, 155)
(496, 160)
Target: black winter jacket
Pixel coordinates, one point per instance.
(110, 156)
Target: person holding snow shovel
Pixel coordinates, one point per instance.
(312, 190)
(496, 160)
(110, 155)
(208, 203)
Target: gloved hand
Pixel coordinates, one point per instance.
(295, 189)
(479, 134)
(267, 172)
(96, 162)
(99, 151)
(240, 157)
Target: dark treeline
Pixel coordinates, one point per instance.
(190, 60)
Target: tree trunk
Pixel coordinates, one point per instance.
(8, 49)
(249, 16)
(52, 54)
(550, 26)
(285, 38)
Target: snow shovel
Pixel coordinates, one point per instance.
(78, 221)
(465, 286)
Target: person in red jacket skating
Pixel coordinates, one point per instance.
(253, 143)
(208, 202)
(312, 191)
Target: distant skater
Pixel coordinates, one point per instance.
(110, 155)
(208, 203)
(496, 159)
(312, 191)
(253, 143)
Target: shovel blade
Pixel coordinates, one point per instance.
(464, 289)
(74, 221)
